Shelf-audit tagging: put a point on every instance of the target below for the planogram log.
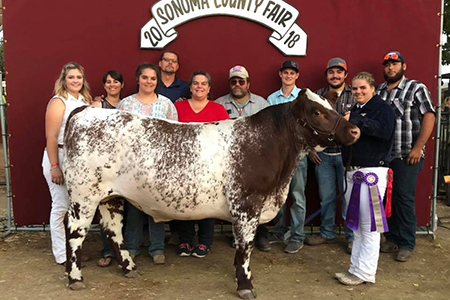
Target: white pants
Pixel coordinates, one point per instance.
(60, 204)
(366, 245)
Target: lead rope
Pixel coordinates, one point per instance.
(347, 168)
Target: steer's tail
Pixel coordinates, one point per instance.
(74, 112)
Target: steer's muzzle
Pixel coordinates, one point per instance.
(354, 133)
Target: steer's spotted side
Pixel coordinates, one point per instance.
(232, 170)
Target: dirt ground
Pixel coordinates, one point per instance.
(28, 271)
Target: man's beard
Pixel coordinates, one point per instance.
(240, 95)
(169, 71)
(394, 79)
(337, 86)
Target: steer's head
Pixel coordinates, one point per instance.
(320, 124)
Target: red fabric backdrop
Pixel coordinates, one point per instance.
(42, 36)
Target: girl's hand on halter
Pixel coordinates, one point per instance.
(347, 115)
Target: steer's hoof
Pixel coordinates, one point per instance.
(132, 274)
(247, 294)
(77, 285)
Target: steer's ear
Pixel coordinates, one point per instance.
(298, 103)
(332, 97)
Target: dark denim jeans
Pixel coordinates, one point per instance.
(205, 232)
(329, 175)
(298, 207)
(134, 230)
(402, 223)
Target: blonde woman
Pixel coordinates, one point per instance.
(71, 91)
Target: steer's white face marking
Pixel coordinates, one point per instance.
(316, 98)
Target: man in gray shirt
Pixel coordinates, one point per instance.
(240, 102)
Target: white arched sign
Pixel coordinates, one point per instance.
(277, 15)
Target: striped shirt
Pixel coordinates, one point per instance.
(344, 103)
(410, 100)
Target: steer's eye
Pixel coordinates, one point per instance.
(317, 113)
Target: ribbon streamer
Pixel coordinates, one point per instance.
(377, 215)
(388, 206)
(352, 218)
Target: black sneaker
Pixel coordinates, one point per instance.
(200, 251)
(263, 244)
(184, 250)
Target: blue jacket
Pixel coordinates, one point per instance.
(376, 121)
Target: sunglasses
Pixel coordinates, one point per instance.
(236, 81)
(173, 60)
(391, 56)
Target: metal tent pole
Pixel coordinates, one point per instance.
(6, 159)
(438, 133)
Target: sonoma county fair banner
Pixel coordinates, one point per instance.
(277, 15)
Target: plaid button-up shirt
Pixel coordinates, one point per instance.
(410, 100)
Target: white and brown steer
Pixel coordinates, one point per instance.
(234, 170)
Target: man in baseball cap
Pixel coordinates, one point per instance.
(415, 116)
(240, 102)
(289, 73)
(329, 167)
(393, 56)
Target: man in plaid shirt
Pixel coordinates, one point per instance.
(329, 168)
(415, 116)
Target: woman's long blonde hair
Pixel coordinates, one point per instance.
(60, 83)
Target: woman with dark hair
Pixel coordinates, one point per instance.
(71, 91)
(113, 84)
(367, 178)
(146, 103)
(198, 109)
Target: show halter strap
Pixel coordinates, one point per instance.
(377, 216)
(352, 218)
(388, 206)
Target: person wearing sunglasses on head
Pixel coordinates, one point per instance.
(288, 92)
(240, 102)
(415, 116)
(170, 85)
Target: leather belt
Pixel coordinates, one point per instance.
(354, 168)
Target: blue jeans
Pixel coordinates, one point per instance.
(329, 174)
(205, 232)
(298, 207)
(402, 223)
(134, 229)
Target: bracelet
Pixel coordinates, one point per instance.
(54, 167)
(54, 164)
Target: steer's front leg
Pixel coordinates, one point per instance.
(244, 229)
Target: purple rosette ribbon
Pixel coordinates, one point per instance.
(377, 215)
(352, 218)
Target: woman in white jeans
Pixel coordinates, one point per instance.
(71, 91)
(367, 178)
